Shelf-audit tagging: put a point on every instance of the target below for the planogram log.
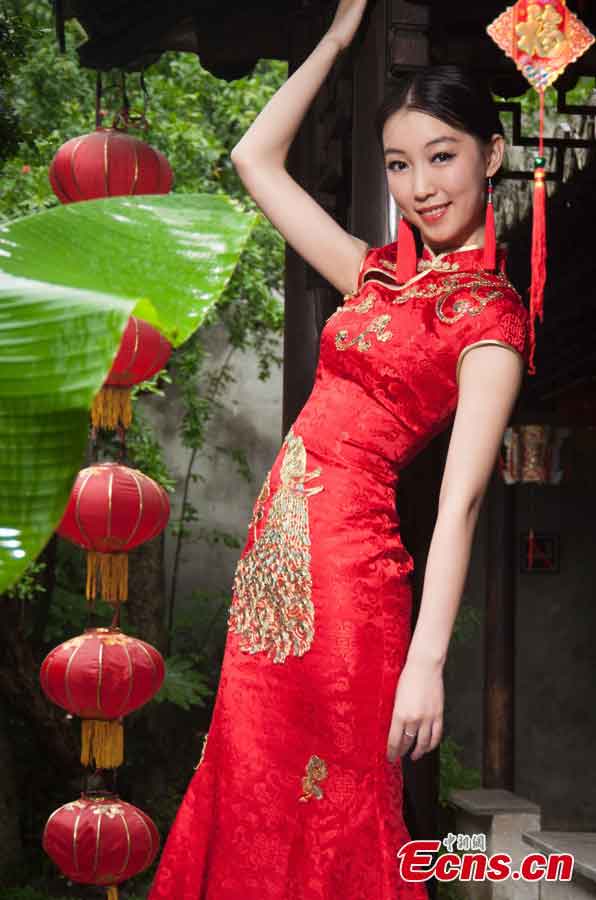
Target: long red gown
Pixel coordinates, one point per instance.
(294, 797)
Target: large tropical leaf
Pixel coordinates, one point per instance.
(56, 345)
(69, 279)
(177, 250)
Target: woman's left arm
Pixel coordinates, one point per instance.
(489, 383)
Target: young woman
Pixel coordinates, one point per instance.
(298, 791)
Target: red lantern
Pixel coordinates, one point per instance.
(100, 840)
(143, 352)
(101, 676)
(112, 509)
(108, 163)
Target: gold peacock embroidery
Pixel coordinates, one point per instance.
(259, 508)
(316, 770)
(271, 609)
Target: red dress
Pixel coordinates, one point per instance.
(294, 797)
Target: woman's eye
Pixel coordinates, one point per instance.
(398, 163)
(444, 154)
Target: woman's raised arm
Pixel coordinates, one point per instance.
(260, 160)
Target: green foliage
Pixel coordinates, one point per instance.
(28, 585)
(146, 453)
(454, 775)
(185, 684)
(466, 624)
(14, 41)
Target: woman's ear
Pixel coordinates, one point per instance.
(495, 154)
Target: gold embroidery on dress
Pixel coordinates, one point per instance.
(444, 289)
(377, 326)
(439, 265)
(202, 751)
(271, 606)
(316, 770)
(258, 509)
(365, 304)
(388, 265)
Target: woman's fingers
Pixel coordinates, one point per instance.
(399, 742)
(423, 737)
(423, 740)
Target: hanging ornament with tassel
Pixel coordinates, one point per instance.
(542, 37)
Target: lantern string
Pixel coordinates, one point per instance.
(116, 616)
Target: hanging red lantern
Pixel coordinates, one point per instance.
(101, 841)
(143, 352)
(112, 509)
(102, 676)
(108, 162)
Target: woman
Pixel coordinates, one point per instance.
(298, 791)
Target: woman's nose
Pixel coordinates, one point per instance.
(422, 186)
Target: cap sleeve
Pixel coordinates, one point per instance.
(364, 264)
(503, 322)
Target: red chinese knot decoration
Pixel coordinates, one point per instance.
(143, 352)
(101, 676)
(100, 841)
(543, 38)
(108, 162)
(111, 510)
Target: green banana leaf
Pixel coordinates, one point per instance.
(69, 279)
(178, 251)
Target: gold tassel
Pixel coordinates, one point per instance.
(102, 743)
(112, 892)
(112, 408)
(109, 573)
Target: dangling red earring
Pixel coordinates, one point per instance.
(489, 259)
(406, 252)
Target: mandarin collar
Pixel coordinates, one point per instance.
(468, 257)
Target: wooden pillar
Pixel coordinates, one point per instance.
(370, 211)
(320, 160)
(300, 334)
(499, 638)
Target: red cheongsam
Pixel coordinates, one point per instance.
(294, 797)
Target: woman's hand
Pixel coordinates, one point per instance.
(418, 709)
(346, 21)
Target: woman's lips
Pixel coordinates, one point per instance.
(433, 215)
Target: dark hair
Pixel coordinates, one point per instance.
(454, 94)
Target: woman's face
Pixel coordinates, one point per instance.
(431, 164)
